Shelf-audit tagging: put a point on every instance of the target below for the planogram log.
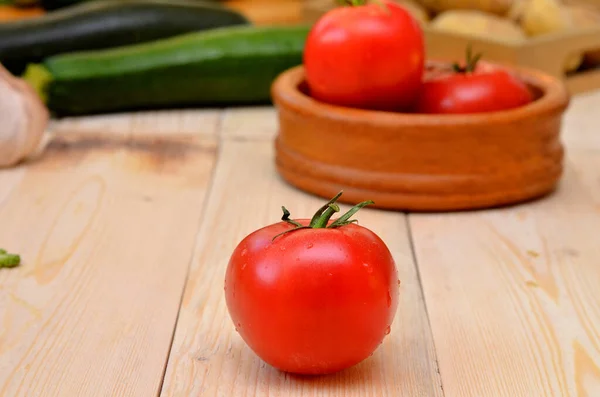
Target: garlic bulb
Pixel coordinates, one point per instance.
(23, 119)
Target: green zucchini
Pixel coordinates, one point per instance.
(105, 24)
(56, 4)
(23, 3)
(46, 4)
(218, 67)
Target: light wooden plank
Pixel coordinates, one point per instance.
(210, 359)
(106, 226)
(513, 293)
(581, 122)
(160, 122)
(249, 123)
(10, 179)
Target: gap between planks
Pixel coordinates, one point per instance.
(86, 314)
(218, 128)
(260, 124)
(512, 293)
(208, 358)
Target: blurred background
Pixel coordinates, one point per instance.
(560, 37)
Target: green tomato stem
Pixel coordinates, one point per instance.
(470, 62)
(352, 3)
(358, 3)
(286, 218)
(345, 219)
(321, 218)
(318, 214)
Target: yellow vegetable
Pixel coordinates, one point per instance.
(516, 10)
(540, 17)
(544, 16)
(499, 7)
(479, 24)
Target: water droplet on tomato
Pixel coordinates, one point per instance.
(368, 267)
(244, 265)
(309, 245)
(389, 299)
(388, 330)
(282, 248)
(244, 252)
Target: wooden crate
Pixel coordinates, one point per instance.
(547, 53)
(269, 12)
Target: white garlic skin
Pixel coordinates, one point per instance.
(23, 119)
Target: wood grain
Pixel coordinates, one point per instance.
(513, 293)
(581, 122)
(161, 122)
(209, 359)
(105, 224)
(249, 123)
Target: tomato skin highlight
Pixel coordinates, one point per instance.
(487, 89)
(369, 57)
(312, 301)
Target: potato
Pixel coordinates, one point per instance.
(540, 17)
(515, 13)
(479, 24)
(584, 17)
(499, 7)
(544, 16)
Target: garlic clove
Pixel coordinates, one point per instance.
(23, 119)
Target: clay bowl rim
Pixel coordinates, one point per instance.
(554, 96)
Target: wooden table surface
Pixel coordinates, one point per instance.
(126, 222)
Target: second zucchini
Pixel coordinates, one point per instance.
(101, 24)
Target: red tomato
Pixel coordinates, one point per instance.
(476, 88)
(369, 56)
(314, 300)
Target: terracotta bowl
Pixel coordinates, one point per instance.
(421, 162)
